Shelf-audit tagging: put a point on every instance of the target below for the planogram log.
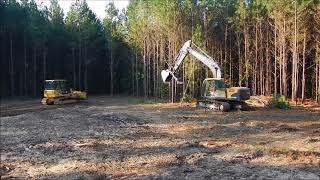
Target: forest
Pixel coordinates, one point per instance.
(270, 46)
(119, 120)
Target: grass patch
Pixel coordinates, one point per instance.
(144, 101)
(137, 101)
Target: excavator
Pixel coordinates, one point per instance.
(215, 94)
(56, 92)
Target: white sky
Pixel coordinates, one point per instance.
(97, 6)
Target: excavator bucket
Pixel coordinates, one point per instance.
(166, 75)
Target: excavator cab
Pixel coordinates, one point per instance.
(213, 88)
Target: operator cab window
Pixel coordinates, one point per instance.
(219, 84)
(211, 86)
(49, 85)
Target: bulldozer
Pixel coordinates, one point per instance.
(215, 93)
(57, 92)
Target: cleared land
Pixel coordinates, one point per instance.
(120, 138)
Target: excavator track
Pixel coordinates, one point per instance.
(223, 105)
(215, 105)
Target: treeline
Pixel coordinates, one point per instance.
(271, 46)
(38, 43)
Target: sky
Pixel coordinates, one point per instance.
(97, 6)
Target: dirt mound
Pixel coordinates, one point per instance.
(294, 155)
(313, 140)
(118, 119)
(284, 128)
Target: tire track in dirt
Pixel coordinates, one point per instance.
(14, 110)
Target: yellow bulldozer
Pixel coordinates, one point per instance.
(57, 92)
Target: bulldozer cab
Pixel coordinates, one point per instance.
(57, 85)
(213, 88)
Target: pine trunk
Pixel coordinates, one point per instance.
(303, 83)
(25, 65)
(239, 60)
(230, 64)
(79, 66)
(132, 74)
(157, 71)
(316, 74)
(144, 70)
(86, 78)
(275, 61)
(137, 77)
(294, 63)
(44, 62)
(268, 78)
(111, 72)
(35, 72)
(246, 57)
(261, 79)
(86, 64)
(256, 62)
(285, 64)
(74, 68)
(11, 68)
(225, 51)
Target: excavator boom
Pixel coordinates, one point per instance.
(198, 54)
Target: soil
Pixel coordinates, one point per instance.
(126, 138)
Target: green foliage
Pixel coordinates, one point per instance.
(47, 45)
(137, 101)
(279, 101)
(55, 13)
(164, 90)
(187, 98)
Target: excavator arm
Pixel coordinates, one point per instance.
(186, 49)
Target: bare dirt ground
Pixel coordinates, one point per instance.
(118, 138)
